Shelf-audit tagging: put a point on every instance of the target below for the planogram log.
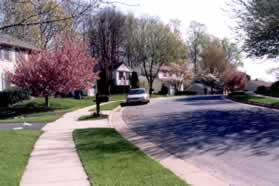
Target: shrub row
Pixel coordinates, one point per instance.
(272, 91)
(12, 96)
(186, 93)
(239, 93)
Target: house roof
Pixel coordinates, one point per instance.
(14, 42)
(121, 67)
(261, 83)
(254, 84)
(166, 68)
(116, 66)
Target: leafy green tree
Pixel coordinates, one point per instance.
(196, 40)
(40, 12)
(258, 21)
(38, 21)
(107, 35)
(232, 52)
(130, 51)
(157, 45)
(213, 59)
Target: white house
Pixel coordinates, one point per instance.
(121, 75)
(168, 76)
(171, 78)
(10, 49)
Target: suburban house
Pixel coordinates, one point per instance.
(253, 85)
(121, 75)
(170, 78)
(199, 88)
(167, 77)
(10, 50)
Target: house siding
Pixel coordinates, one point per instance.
(8, 65)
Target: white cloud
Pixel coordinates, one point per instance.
(260, 69)
(210, 13)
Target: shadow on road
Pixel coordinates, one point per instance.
(205, 100)
(188, 133)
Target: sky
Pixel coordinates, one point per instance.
(211, 13)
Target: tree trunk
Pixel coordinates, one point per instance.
(46, 101)
(150, 88)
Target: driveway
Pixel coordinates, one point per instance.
(20, 126)
(234, 142)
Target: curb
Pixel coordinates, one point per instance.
(183, 169)
(253, 103)
(117, 109)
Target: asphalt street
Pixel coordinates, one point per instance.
(234, 142)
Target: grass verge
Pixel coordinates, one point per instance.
(111, 160)
(108, 106)
(15, 149)
(255, 99)
(117, 97)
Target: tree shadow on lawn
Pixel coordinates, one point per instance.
(23, 109)
(185, 134)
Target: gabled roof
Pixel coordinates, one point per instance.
(14, 42)
(257, 83)
(121, 67)
(116, 66)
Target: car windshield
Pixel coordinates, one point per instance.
(136, 91)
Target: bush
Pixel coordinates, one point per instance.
(275, 87)
(186, 93)
(12, 96)
(164, 90)
(240, 93)
(262, 90)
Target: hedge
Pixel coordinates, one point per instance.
(12, 96)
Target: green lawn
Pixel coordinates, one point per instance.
(108, 106)
(34, 111)
(117, 97)
(92, 117)
(15, 149)
(256, 99)
(111, 160)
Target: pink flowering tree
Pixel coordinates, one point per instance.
(235, 80)
(64, 68)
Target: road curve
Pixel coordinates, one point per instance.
(234, 142)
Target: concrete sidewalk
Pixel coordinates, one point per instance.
(54, 160)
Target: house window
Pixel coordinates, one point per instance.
(5, 55)
(121, 76)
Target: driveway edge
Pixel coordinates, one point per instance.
(183, 169)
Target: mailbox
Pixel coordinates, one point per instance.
(102, 98)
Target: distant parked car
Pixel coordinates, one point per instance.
(138, 95)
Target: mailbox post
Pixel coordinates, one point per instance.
(100, 99)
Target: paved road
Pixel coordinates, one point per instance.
(234, 142)
(35, 126)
